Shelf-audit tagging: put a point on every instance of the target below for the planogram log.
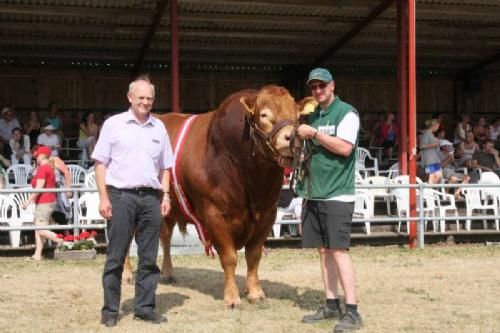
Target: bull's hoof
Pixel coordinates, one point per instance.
(256, 297)
(168, 280)
(233, 304)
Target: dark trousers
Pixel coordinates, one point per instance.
(140, 212)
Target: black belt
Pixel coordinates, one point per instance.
(136, 190)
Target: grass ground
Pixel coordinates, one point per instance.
(439, 289)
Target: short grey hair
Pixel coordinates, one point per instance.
(141, 78)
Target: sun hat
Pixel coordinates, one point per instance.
(49, 127)
(445, 143)
(42, 150)
(320, 74)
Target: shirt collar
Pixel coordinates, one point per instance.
(330, 107)
(130, 117)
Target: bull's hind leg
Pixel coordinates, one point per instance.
(253, 254)
(167, 269)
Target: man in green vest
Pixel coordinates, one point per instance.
(330, 135)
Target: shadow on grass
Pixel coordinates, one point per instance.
(211, 282)
(164, 302)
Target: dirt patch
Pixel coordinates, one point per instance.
(439, 289)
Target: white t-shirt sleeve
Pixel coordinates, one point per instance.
(349, 127)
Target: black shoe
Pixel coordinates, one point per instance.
(109, 321)
(151, 317)
(323, 313)
(349, 322)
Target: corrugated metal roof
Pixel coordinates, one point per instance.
(452, 35)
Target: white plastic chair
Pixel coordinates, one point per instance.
(473, 201)
(77, 174)
(383, 193)
(90, 180)
(88, 210)
(21, 174)
(390, 173)
(402, 196)
(444, 202)
(490, 193)
(7, 217)
(290, 215)
(364, 206)
(20, 216)
(362, 155)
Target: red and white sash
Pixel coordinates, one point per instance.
(186, 209)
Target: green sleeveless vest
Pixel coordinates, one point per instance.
(329, 175)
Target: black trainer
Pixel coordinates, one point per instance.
(152, 317)
(349, 322)
(323, 313)
(109, 321)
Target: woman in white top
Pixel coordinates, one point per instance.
(20, 147)
(50, 139)
(462, 128)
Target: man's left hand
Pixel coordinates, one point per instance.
(305, 131)
(165, 206)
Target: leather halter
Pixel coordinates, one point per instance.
(267, 138)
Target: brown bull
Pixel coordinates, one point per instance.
(228, 170)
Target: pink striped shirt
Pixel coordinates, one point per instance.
(133, 153)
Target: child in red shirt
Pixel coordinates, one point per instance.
(44, 177)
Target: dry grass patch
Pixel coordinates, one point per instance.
(439, 289)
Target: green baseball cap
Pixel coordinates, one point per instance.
(320, 74)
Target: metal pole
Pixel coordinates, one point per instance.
(174, 62)
(412, 109)
(76, 215)
(403, 88)
(421, 217)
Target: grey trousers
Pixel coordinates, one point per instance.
(140, 212)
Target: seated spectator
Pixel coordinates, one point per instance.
(466, 149)
(388, 134)
(32, 128)
(450, 166)
(8, 122)
(461, 129)
(20, 147)
(53, 118)
(495, 129)
(50, 139)
(481, 131)
(486, 159)
(89, 131)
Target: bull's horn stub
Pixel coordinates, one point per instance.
(250, 109)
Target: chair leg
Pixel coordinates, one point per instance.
(367, 227)
(15, 238)
(277, 230)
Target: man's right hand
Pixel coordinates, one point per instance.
(105, 209)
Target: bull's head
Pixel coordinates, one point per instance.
(273, 115)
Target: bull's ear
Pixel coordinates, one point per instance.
(248, 103)
(307, 105)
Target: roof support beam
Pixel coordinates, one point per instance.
(351, 34)
(480, 65)
(160, 9)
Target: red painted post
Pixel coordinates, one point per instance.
(403, 88)
(412, 115)
(174, 57)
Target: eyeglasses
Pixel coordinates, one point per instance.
(321, 86)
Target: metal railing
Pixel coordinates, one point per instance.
(420, 218)
(76, 226)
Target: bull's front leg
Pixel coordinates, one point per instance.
(127, 275)
(167, 269)
(253, 254)
(229, 259)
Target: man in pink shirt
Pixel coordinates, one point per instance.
(133, 157)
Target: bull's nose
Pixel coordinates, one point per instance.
(287, 137)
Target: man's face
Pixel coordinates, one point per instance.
(488, 147)
(141, 98)
(322, 91)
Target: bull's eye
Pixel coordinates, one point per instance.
(263, 115)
